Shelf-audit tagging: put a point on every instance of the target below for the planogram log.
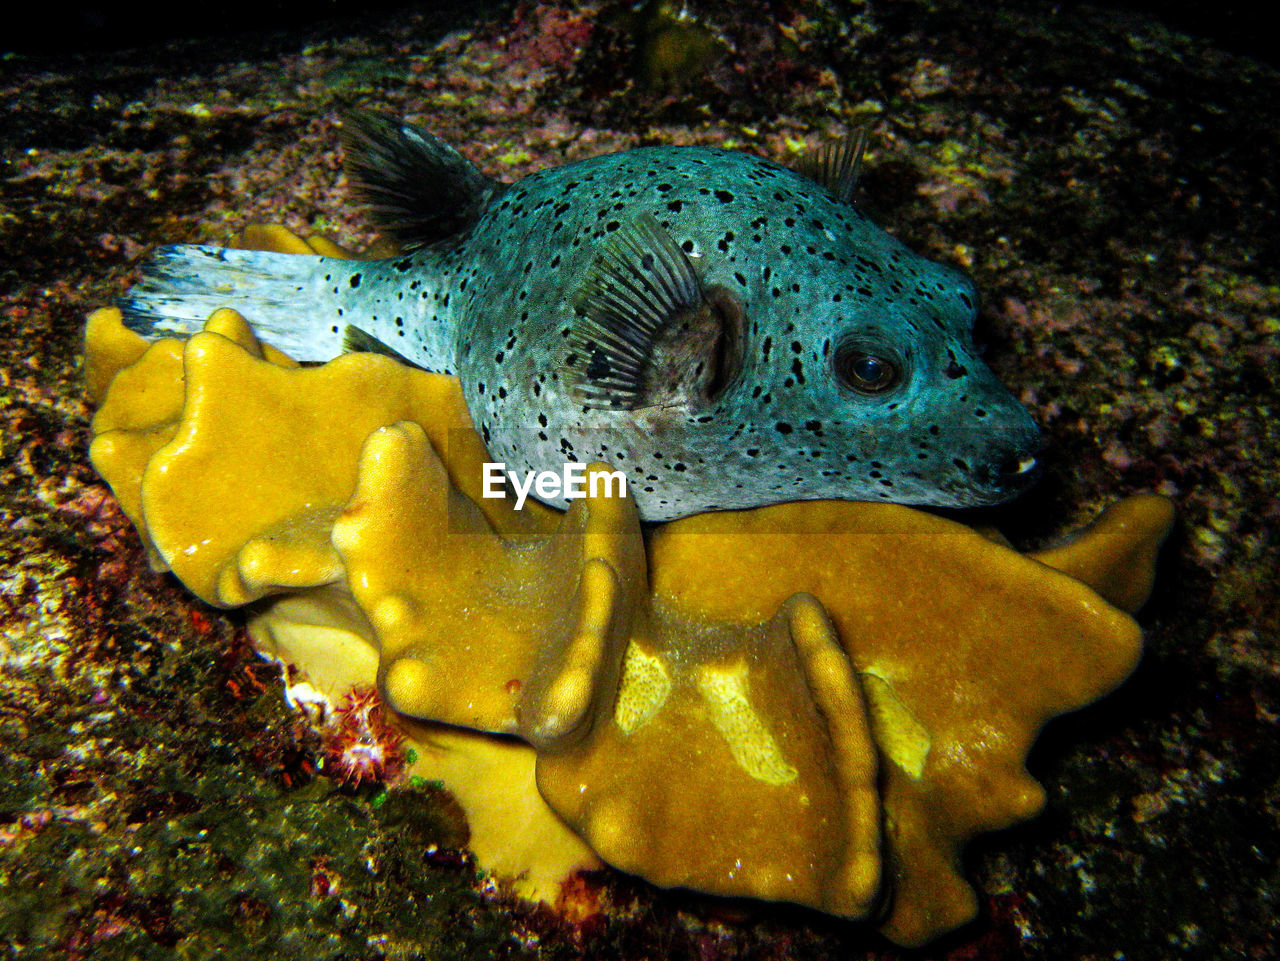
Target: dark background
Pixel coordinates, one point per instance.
(1238, 26)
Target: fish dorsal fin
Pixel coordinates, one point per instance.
(418, 189)
(357, 341)
(647, 333)
(837, 166)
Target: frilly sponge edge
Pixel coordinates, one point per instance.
(814, 702)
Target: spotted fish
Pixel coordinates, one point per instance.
(726, 331)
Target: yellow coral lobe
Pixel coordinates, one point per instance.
(138, 413)
(272, 237)
(147, 394)
(494, 624)
(912, 597)
(231, 324)
(766, 726)
(228, 462)
(1116, 554)
(403, 507)
(854, 890)
(109, 347)
(281, 240)
(589, 656)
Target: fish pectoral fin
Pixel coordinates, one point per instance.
(418, 189)
(647, 333)
(357, 341)
(837, 166)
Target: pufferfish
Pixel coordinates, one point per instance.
(725, 331)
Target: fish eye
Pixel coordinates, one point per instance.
(865, 372)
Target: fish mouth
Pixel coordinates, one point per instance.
(1018, 466)
(1011, 472)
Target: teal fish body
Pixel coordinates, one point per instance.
(725, 331)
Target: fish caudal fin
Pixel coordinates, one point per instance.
(280, 294)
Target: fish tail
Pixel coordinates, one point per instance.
(281, 295)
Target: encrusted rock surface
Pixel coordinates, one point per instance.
(1107, 182)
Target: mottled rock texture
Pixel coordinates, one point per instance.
(1108, 182)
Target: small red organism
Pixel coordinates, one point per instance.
(359, 743)
(325, 881)
(582, 902)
